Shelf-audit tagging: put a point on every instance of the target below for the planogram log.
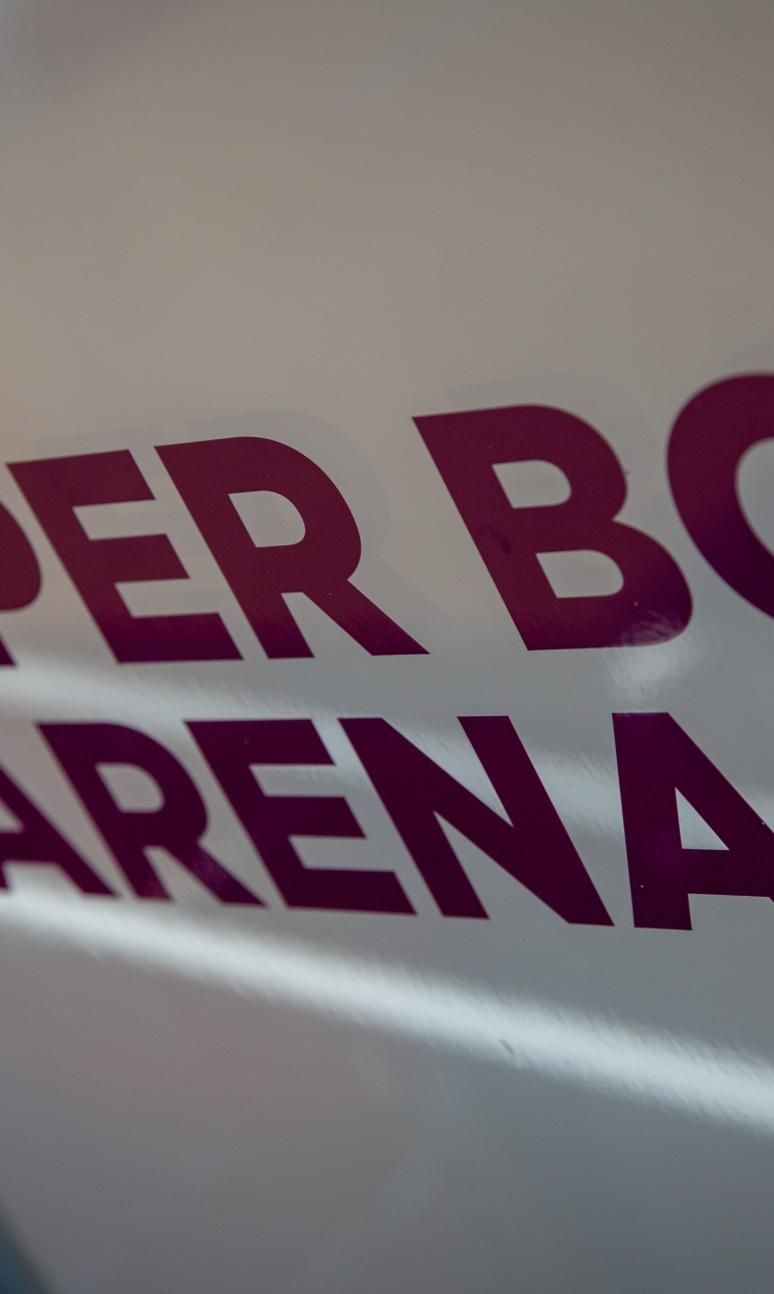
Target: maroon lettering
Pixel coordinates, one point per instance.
(39, 842)
(54, 488)
(533, 846)
(177, 825)
(653, 604)
(708, 441)
(656, 758)
(320, 564)
(233, 749)
(20, 572)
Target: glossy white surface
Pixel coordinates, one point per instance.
(312, 222)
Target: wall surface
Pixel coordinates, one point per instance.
(314, 223)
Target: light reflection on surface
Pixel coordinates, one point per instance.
(589, 787)
(677, 1073)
